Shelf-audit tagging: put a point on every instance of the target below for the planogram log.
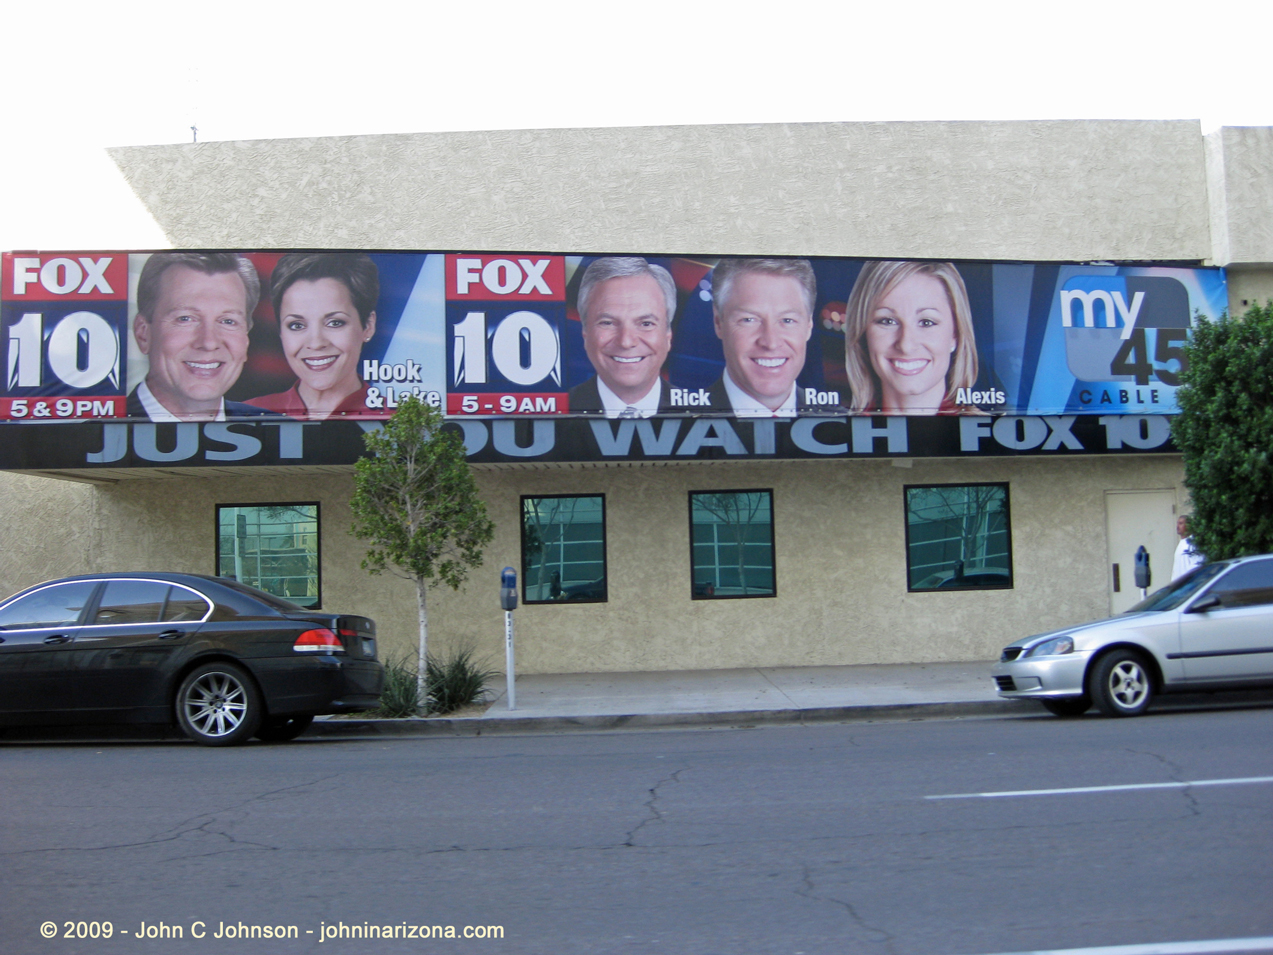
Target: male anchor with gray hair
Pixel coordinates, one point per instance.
(626, 306)
(194, 312)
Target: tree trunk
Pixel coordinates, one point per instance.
(421, 689)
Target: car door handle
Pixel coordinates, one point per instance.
(172, 634)
(58, 638)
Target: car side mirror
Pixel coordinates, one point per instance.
(1205, 604)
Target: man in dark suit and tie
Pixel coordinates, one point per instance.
(626, 306)
(194, 312)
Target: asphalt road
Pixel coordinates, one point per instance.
(793, 839)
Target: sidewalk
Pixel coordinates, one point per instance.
(596, 701)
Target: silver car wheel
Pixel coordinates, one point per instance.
(1128, 685)
(218, 705)
(1120, 684)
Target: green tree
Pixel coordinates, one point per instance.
(1225, 432)
(416, 502)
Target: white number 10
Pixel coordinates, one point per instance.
(521, 333)
(86, 330)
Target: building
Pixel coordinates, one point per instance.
(867, 538)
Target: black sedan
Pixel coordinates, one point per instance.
(222, 660)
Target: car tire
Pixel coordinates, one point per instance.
(1120, 684)
(218, 704)
(280, 729)
(1068, 707)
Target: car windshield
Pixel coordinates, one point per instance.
(1178, 591)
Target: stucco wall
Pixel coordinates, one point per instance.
(48, 530)
(1239, 163)
(1248, 287)
(1071, 190)
(840, 546)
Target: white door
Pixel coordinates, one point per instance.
(1133, 519)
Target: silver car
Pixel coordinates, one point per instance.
(1211, 629)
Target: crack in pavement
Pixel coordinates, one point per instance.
(186, 827)
(1177, 775)
(809, 891)
(656, 814)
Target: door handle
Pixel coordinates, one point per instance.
(1117, 583)
(172, 634)
(58, 638)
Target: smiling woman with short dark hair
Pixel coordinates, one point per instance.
(325, 304)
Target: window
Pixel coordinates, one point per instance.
(273, 547)
(564, 549)
(54, 606)
(131, 601)
(732, 544)
(1247, 585)
(958, 537)
(148, 601)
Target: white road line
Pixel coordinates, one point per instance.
(1262, 944)
(1109, 789)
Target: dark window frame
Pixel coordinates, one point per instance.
(318, 542)
(773, 544)
(1007, 529)
(605, 549)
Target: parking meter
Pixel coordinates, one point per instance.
(508, 600)
(1143, 575)
(508, 589)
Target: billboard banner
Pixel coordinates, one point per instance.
(323, 336)
(278, 440)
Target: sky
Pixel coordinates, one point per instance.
(82, 76)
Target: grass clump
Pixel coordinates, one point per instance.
(451, 683)
(398, 698)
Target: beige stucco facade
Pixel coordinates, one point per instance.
(839, 540)
(1037, 191)
(970, 190)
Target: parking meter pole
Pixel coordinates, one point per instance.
(508, 659)
(508, 600)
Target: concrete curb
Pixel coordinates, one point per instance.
(492, 725)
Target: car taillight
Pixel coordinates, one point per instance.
(321, 640)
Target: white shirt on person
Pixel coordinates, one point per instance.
(1187, 558)
(157, 412)
(615, 406)
(745, 406)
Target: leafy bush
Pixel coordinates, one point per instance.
(1225, 433)
(453, 682)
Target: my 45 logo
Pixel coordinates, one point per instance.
(1125, 328)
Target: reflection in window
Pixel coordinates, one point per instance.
(1247, 585)
(732, 543)
(271, 546)
(132, 601)
(564, 549)
(957, 537)
(48, 607)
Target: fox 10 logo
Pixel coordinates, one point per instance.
(1125, 328)
(504, 319)
(63, 319)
